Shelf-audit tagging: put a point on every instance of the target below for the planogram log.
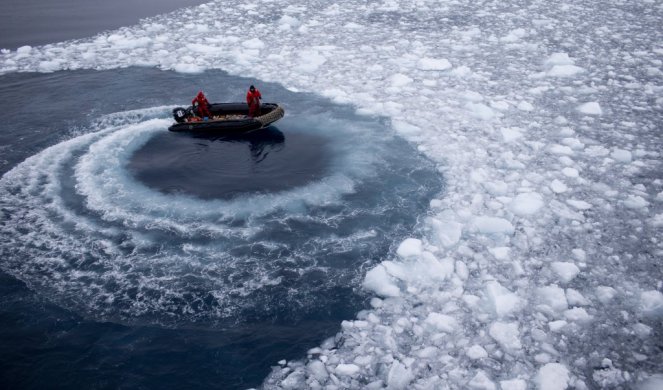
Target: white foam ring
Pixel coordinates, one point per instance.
(101, 248)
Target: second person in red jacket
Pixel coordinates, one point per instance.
(253, 97)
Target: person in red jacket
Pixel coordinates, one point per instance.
(253, 97)
(203, 105)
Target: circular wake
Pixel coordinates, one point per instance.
(81, 227)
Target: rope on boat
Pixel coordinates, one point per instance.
(271, 116)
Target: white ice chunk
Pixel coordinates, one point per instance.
(552, 296)
(579, 204)
(564, 71)
(651, 303)
(621, 155)
(347, 369)
(253, 43)
(510, 134)
(480, 110)
(552, 376)
(448, 232)
(492, 225)
(380, 282)
(635, 202)
(434, 64)
(400, 80)
(399, 376)
(513, 384)
(556, 326)
(565, 271)
(654, 382)
(558, 59)
(441, 322)
(410, 247)
(525, 106)
(558, 187)
(577, 314)
(481, 381)
(590, 108)
(605, 294)
(502, 301)
(318, 370)
(575, 298)
(500, 253)
(506, 334)
(476, 352)
(24, 50)
(570, 172)
(526, 204)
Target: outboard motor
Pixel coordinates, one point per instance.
(181, 114)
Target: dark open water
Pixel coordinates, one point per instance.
(38, 22)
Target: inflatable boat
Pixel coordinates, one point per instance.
(226, 118)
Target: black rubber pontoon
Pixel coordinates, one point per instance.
(227, 118)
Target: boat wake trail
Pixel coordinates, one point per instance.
(79, 227)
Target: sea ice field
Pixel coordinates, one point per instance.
(462, 195)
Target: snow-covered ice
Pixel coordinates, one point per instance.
(545, 119)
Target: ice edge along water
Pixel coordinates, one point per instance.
(538, 266)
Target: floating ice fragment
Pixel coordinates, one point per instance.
(492, 225)
(526, 204)
(511, 134)
(605, 294)
(575, 298)
(579, 204)
(564, 71)
(410, 247)
(577, 314)
(380, 282)
(621, 155)
(399, 376)
(552, 376)
(188, 68)
(651, 303)
(318, 370)
(500, 253)
(560, 149)
(556, 326)
(480, 110)
(590, 108)
(24, 50)
(481, 381)
(434, 64)
(570, 172)
(525, 106)
(558, 59)
(552, 296)
(441, 322)
(476, 352)
(558, 187)
(400, 80)
(565, 271)
(448, 232)
(513, 384)
(347, 369)
(657, 220)
(654, 382)
(502, 301)
(635, 202)
(506, 334)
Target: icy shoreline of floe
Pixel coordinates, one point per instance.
(538, 266)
